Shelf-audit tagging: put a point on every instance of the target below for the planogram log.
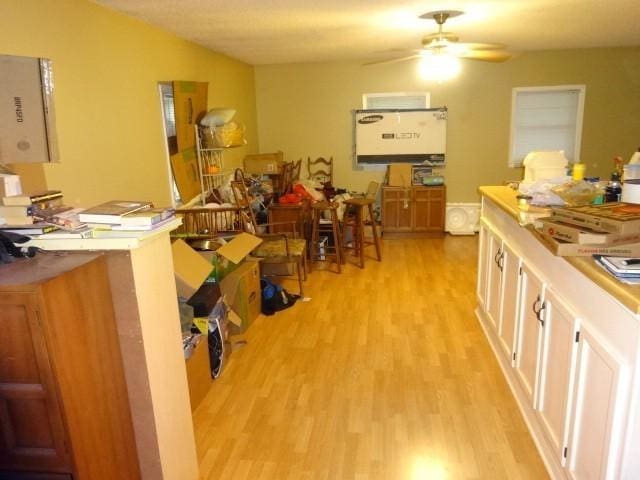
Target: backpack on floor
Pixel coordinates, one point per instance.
(274, 297)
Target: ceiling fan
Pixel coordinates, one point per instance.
(446, 43)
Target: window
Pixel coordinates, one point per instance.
(546, 118)
(400, 100)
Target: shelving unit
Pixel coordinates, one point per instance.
(210, 164)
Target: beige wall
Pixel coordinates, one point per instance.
(106, 70)
(304, 110)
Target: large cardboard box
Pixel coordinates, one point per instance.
(400, 175)
(264, 163)
(27, 120)
(198, 372)
(190, 269)
(242, 291)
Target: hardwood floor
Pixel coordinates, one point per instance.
(384, 374)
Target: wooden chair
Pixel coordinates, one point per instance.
(295, 173)
(204, 222)
(282, 253)
(320, 169)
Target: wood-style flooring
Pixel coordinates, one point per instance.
(384, 374)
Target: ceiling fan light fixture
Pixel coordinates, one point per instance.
(439, 67)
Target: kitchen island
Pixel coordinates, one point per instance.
(567, 336)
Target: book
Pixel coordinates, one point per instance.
(619, 265)
(140, 228)
(18, 220)
(583, 235)
(147, 217)
(629, 279)
(112, 211)
(30, 199)
(33, 229)
(16, 211)
(82, 232)
(622, 218)
(66, 219)
(567, 249)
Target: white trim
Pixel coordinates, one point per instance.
(581, 89)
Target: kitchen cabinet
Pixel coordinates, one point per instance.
(63, 396)
(529, 333)
(483, 259)
(416, 209)
(494, 279)
(507, 329)
(594, 434)
(557, 369)
(573, 367)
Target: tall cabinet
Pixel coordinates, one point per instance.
(64, 411)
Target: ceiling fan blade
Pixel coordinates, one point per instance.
(481, 46)
(496, 56)
(433, 37)
(392, 60)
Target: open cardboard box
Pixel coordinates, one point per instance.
(192, 268)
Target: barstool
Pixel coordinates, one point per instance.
(332, 227)
(357, 225)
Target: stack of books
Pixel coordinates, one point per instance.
(123, 218)
(612, 229)
(25, 214)
(625, 269)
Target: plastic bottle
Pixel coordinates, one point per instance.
(614, 189)
(578, 171)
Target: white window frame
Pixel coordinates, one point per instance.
(426, 95)
(581, 89)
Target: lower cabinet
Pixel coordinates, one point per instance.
(594, 431)
(64, 410)
(413, 209)
(565, 375)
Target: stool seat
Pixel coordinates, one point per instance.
(319, 252)
(357, 224)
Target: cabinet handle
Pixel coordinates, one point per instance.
(501, 261)
(533, 307)
(496, 258)
(539, 314)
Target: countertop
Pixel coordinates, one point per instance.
(628, 295)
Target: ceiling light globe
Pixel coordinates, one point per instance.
(439, 67)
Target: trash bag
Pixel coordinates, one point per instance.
(274, 297)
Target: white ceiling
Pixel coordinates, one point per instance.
(288, 31)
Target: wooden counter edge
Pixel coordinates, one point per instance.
(627, 295)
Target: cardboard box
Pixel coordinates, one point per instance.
(190, 269)
(9, 185)
(264, 163)
(198, 372)
(27, 121)
(400, 175)
(228, 257)
(243, 294)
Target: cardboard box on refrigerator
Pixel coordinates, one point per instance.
(27, 120)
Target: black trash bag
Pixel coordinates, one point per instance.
(274, 297)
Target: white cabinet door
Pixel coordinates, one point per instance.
(557, 367)
(483, 256)
(529, 332)
(591, 452)
(494, 279)
(510, 301)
